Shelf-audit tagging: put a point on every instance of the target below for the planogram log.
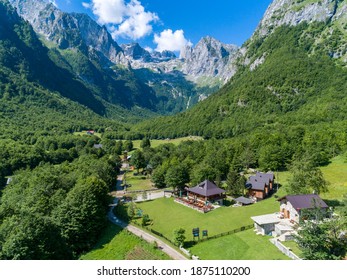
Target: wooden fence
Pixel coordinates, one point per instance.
(200, 240)
(226, 233)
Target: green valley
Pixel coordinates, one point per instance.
(101, 143)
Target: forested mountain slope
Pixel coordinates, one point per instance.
(128, 75)
(287, 77)
(39, 95)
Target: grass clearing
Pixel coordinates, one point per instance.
(335, 173)
(155, 143)
(118, 244)
(168, 216)
(137, 183)
(244, 245)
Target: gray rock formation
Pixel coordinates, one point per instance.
(134, 51)
(210, 58)
(295, 12)
(68, 30)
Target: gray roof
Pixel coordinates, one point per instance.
(255, 184)
(9, 180)
(266, 219)
(260, 180)
(98, 146)
(244, 200)
(207, 189)
(267, 177)
(306, 201)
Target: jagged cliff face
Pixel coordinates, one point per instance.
(186, 80)
(329, 15)
(68, 30)
(210, 58)
(294, 12)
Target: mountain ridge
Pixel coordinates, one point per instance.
(281, 77)
(78, 31)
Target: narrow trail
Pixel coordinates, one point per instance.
(141, 233)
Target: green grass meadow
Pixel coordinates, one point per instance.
(244, 245)
(118, 244)
(168, 216)
(138, 182)
(155, 143)
(336, 175)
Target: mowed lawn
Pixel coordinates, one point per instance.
(244, 245)
(168, 216)
(118, 244)
(137, 183)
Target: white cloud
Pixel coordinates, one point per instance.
(149, 49)
(125, 19)
(171, 41)
(86, 5)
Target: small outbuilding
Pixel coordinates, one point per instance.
(241, 201)
(9, 180)
(265, 224)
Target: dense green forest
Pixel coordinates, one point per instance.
(55, 212)
(287, 112)
(291, 88)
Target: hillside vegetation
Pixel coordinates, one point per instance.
(290, 88)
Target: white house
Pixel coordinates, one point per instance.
(282, 223)
(291, 206)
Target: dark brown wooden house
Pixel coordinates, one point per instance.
(207, 192)
(260, 185)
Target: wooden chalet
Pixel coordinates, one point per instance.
(206, 192)
(260, 185)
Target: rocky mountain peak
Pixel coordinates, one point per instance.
(134, 51)
(325, 18)
(294, 12)
(209, 57)
(67, 30)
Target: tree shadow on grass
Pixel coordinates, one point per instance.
(189, 244)
(107, 235)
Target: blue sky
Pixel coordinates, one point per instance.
(159, 24)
